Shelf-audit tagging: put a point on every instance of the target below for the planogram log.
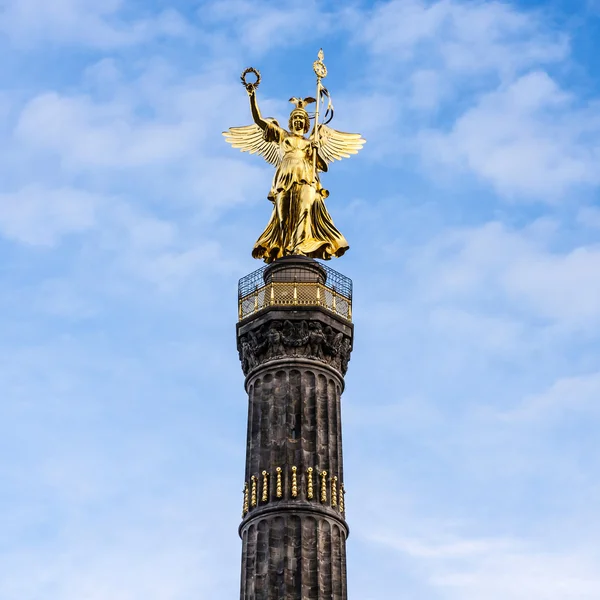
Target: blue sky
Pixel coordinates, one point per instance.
(470, 413)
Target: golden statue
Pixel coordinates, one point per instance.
(300, 223)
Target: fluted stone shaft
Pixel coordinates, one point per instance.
(294, 530)
(295, 556)
(293, 420)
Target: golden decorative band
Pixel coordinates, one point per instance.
(245, 507)
(294, 482)
(331, 491)
(253, 501)
(265, 487)
(279, 486)
(324, 487)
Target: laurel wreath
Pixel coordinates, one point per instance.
(250, 85)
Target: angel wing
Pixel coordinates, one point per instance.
(335, 145)
(251, 139)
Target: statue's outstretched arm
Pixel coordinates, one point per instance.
(255, 110)
(253, 138)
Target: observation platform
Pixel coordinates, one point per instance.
(295, 281)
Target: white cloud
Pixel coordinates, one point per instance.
(461, 37)
(559, 286)
(84, 22)
(472, 332)
(39, 216)
(522, 575)
(444, 547)
(569, 394)
(98, 553)
(260, 25)
(494, 265)
(427, 89)
(86, 133)
(483, 67)
(168, 270)
(589, 217)
(528, 139)
(158, 121)
(455, 566)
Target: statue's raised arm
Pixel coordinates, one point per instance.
(251, 89)
(255, 110)
(252, 138)
(300, 223)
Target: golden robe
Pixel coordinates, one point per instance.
(300, 223)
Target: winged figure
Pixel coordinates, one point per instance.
(300, 223)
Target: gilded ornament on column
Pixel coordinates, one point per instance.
(334, 491)
(245, 507)
(279, 486)
(265, 487)
(309, 484)
(253, 500)
(342, 499)
(294, 482)
(300, 223)
(324, 486)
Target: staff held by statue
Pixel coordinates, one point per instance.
(321, 72)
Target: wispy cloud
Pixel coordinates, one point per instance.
(39, 216)
(29, 23)
(528, 140)
(570, 394)
(519, 267)
(464, 39)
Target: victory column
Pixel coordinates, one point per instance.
(295, 337)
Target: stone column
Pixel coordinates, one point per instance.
(294, 353)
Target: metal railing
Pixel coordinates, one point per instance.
(335, 294)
